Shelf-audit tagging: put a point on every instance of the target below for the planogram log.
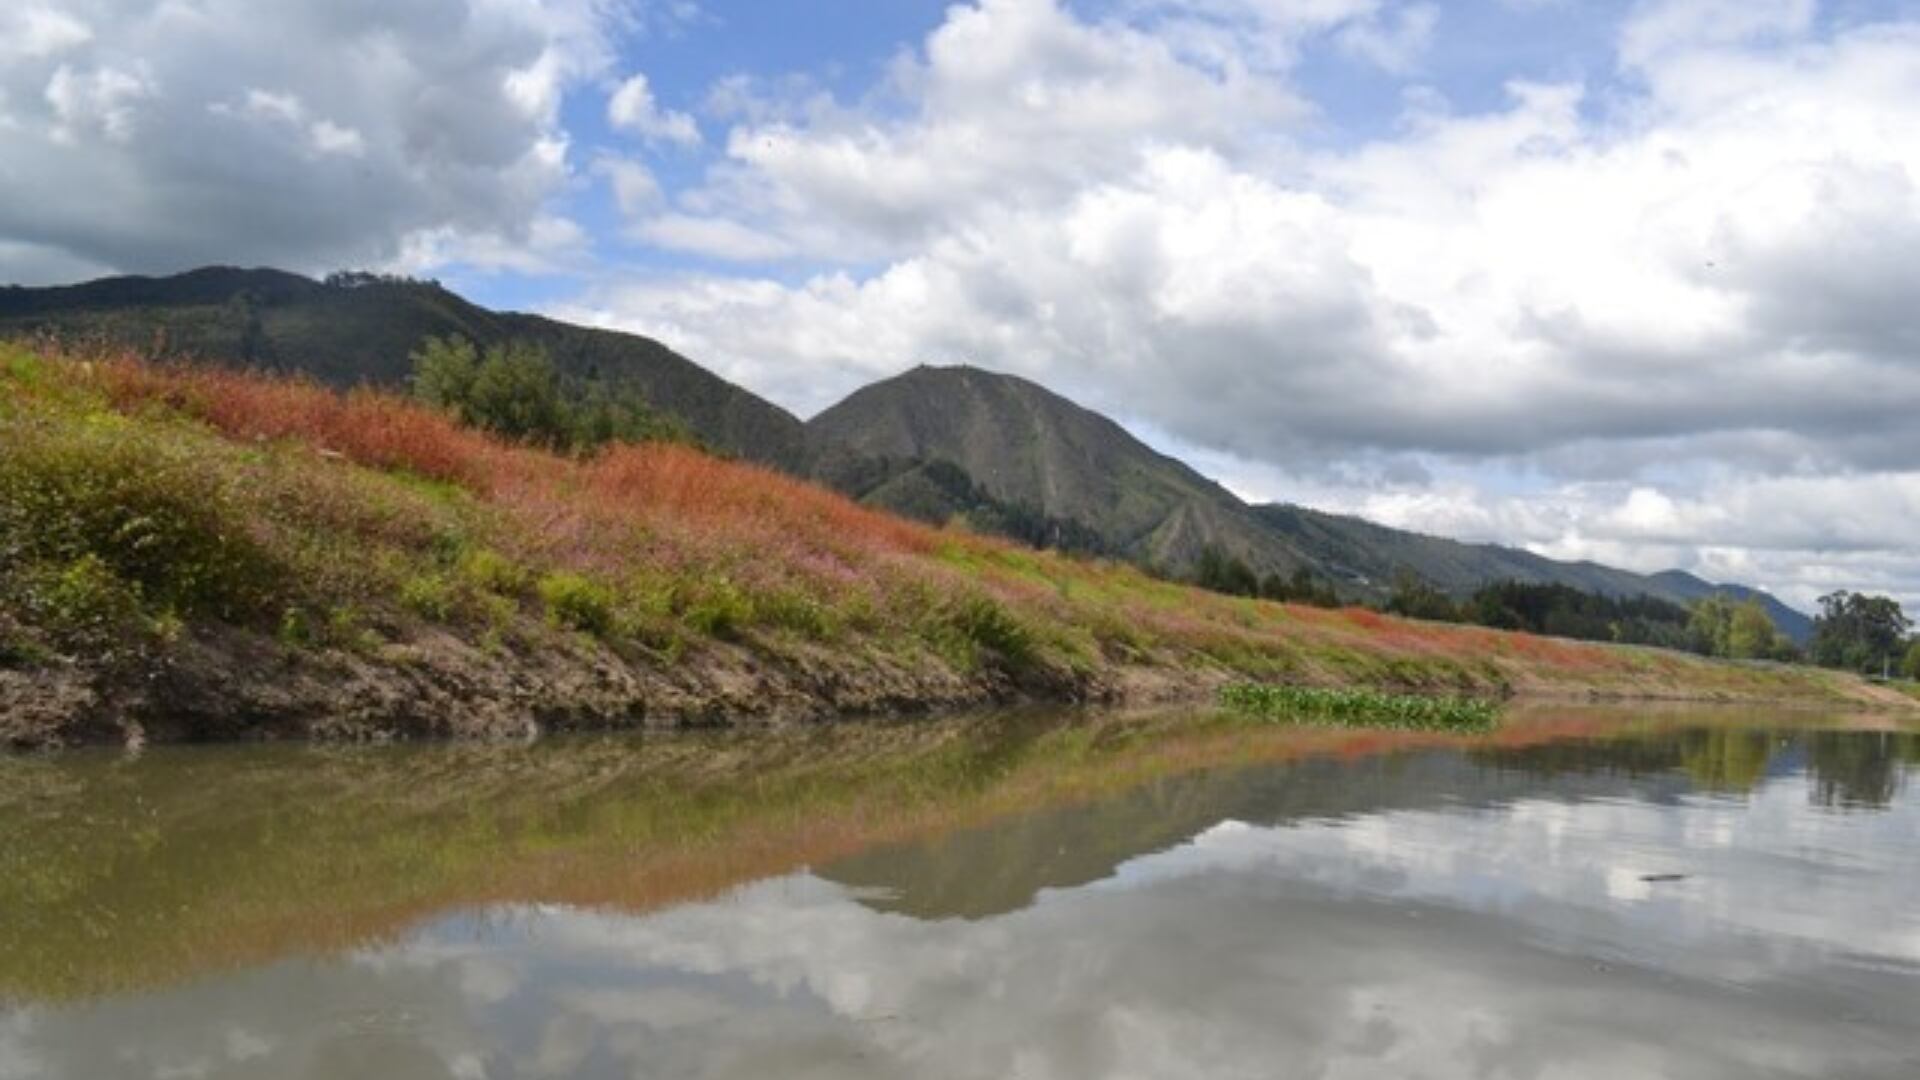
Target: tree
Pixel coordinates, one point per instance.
(1751, 634)
(1911, 666)
(513, 390)
(1488, 607)
(443, 373)
(1710, 626)
(1564, 611)
(516, 393)
(1416, 599)
(1859, 632)
(1224, 573)
(1304, 587)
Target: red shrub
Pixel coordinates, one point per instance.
(366, 427)
(679, 503)
(1366, 619)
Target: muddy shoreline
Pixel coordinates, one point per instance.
(239, 686)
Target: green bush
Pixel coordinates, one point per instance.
(84, 601)
(982, 623)
(797, 611)
(296, 629)
(718, 608)
(19, 651)
(492, 572)
(651, 629)
(577, 602)
(347, 629)
(430, 596)
(342, 626)
(172, 530)
(514, 390)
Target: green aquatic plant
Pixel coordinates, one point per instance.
(1360, 707)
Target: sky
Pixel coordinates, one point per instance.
(1626, 281)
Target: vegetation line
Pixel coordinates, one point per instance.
(1361, 708)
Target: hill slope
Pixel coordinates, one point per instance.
(1029, 447)
(362, 331)
(1350, 548)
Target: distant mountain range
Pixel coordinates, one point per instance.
(934, 443)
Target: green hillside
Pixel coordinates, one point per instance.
(1355, 550)
(359, 329)
(1029, 447)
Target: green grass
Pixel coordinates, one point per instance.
(1361, 708)
(577, 602)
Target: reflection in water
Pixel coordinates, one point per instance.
(1689, 898)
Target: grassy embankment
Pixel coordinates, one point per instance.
(210, 554)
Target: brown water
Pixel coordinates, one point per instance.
(1582, 894)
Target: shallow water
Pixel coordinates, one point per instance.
(1583, 893)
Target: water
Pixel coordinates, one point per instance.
(1585, 893)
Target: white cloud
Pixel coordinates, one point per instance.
(30, 31)
(289, 114)
(285, 108)
(635, 190)
(549, 244)
(1014, 101)
(1658, 28)
(1397, 43)
(331, 138)
(632, 109)
(717, 237)
(152, 135)
(103, 101)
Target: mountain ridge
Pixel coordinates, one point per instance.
(1029, 446)
(362, 329)
(1458, 566)
(934, 442)
(932, 412)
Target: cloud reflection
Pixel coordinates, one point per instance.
(1515, 936)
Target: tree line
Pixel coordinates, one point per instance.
(1868, 634)
(1223, 573)
(1712, 626)
(513, 390)
(1853, 632)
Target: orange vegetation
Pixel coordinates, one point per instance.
(655, 486)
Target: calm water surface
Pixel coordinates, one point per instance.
(1583, 894)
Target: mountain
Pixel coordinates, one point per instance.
(1355, 550)
(358, 328)
(1685, 588)
(935, 443)
(1030, 448)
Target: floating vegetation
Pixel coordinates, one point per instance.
(1361, 708)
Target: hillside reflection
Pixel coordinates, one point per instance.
(1581, 893)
